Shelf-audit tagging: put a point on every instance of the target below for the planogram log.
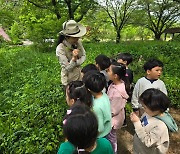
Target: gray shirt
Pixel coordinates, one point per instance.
(70, 70)
(144, 84)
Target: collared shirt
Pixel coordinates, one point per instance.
(70, 70)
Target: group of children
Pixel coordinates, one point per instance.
(97, 108)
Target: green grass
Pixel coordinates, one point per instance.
(32, 103)
(31, 99)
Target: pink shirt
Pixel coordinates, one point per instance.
(118, 98)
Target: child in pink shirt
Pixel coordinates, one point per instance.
(118, 96)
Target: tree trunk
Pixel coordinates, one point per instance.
(157, 36)
(118, 36)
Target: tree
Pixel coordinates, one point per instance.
(162, 14)
(100, 28)
(119, 12)
(177, 1)
(7, 15)
(75, 9)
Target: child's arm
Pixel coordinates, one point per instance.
(149, 139)
(163, 88)
(135, 96)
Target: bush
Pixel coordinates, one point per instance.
(176, 38)
(32, 102)
(16, 32)
(40, 30)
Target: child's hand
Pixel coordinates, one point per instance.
(134, 117)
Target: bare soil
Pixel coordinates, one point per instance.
(125, 136)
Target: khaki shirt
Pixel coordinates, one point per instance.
(70, 70)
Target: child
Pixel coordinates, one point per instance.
(95, 82)
(118, 96)
(151, 135)
(153, 70)
(81, 130)
(76, 92)
(87, 68)
(126, 59)
(103, 63)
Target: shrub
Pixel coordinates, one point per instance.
(176, 38)
(16, 32)
(32, 102)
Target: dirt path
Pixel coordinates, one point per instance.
(125, 136)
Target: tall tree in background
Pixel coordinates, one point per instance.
(119, 12)
(7, 15)
(100, 27)
(75, 9)
(162, 14)
(177, 1)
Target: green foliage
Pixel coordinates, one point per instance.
(16, 32)
(41, 26)
(7, 15)
(98, 31)
(32, 102)
(161, 15)
(176, 38)
(130, 32)
(119, 13)
(1, 40)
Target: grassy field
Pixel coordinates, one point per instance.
(31, 99)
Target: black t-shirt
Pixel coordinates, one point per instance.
(129, 75)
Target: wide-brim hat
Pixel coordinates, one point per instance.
(73, 29)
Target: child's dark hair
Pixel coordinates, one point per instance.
(81, 128)
(94, 81)
(125, 57)
(155, 100)
(152, 63)
(76, 90)
(120, 70)
(103, 61)
(88, 67)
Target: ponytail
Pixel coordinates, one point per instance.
(120, 70)
(61, 38)
(127, 85)
(80, 94)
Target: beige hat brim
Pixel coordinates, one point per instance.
(81, 33)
